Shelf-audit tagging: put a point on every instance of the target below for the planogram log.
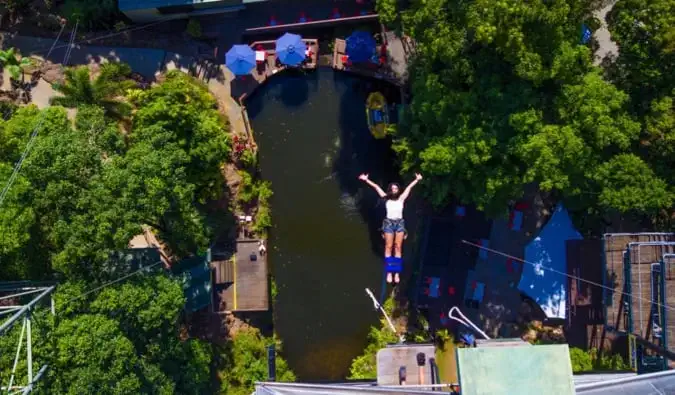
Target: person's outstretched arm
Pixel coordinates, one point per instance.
(364, 178)
(407, 190)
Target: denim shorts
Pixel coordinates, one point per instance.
(393, 225)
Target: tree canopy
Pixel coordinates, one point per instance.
(125, 339)
(85, 189)
(505, 95)
(106, 90)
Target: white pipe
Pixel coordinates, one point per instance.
(378, 306)
(465, 321)
(18, 352)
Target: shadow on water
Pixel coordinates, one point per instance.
(325, 247)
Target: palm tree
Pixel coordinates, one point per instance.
(13, 62)
(105, 90)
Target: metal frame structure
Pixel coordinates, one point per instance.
(21, 312)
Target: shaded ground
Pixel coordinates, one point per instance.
(446, 260)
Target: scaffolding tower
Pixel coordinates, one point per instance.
(18, 300)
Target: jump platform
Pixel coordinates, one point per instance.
(241, 283)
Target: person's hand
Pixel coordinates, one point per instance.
(418, 176)
(363, 177)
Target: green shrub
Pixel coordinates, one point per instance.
(247, 190)
(581, 360)
(244, 362)
(249, 159)
(194, 28)
(263, 219)
(588, 361)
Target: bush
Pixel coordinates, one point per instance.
(588, 361)
(263, 219)
(194, 28)
(247, 190)
(243, 362)
(249, 159)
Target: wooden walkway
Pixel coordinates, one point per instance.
(367, 69)
(242, 284)
(244, 86)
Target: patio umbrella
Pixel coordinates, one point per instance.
(290, 49)
(240, 59)
(360, 46)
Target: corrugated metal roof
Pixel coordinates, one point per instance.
(646, 384)
(128, 5)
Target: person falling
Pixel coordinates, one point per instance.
(393, 225)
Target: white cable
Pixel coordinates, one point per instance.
(71, 44)
(465, 321)
(115, 281)
(63, 27)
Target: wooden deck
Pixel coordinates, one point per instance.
(585, 319)
(243, 86)
(367, 69)
(242, 284)
(642, 284)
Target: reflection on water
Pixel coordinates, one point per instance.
(325, 247)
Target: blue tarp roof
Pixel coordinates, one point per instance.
(546, 287)
(195, 275)
(128, 5)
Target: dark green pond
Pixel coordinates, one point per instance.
(324, 246)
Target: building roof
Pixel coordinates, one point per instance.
(129, 5)
(652, 383)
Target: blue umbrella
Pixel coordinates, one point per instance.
(240, 59)
(290, 49)
(360, 46)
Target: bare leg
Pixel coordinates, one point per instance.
(388, 244)
(398, 244)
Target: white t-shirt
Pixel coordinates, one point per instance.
(394, 209)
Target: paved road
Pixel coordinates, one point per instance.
(602, 36)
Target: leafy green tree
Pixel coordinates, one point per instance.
(92, 355)
(146, 309)
(659, 137)
(504, 96)
(106, 90)
(387, 10)
(13, 63)
(245, 362)
(16, 221)
(645, 34)
(628, 184)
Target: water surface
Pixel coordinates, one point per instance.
(324, 246)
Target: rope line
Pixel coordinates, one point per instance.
(145, 268)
